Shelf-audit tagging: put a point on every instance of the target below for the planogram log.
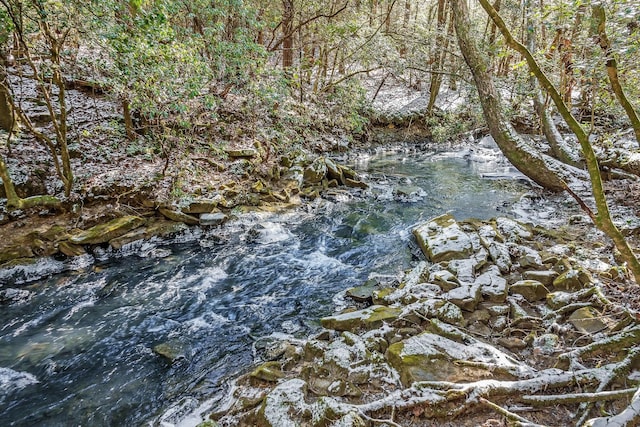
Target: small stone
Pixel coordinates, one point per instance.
(381, 297)
(530, 258)
(363, 293)
(355, 183)
(445, 279)
(172, 351)
(492, 285)
(202, 206)
(466, 296)
(587, 320)
(558, 299)
(546, 277)
(268, 371)
(531, 290)
(213, 219)
(572, 280)
(450, 313)
(407, 191)
(479, 329)
(368, 318)
(481, 315)
(242, 152)
(513, 231)
(512, 343)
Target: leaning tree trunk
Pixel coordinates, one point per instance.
(523, 157)
(612, 68)
(601, 218)
(557, 144)
(7, 116)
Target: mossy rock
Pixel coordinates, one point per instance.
(159, 228)
(433, 357)
(573, 280)
(363, 293)
(315, 172)
(102, 233)
(16, 252)
(546, 277)
(71, 250)
(445, 279)
(242, 153)
(442, 239)
(531, 290)
(268, 371)
(172, 350)
(201, 206)
(368, 318)
(587, 320)
(178, 216)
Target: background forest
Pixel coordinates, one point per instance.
(170, 67)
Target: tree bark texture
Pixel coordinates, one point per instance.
(600, 17)
(287, 29)
(528, 161)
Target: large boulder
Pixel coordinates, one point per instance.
(433, 357)
(442, 239)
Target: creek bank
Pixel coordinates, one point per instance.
(112, 227)
(499, 317)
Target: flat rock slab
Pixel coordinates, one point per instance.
(179, 216)
(368, 318)
(492, 285)
(432, 357)
(587, 320)
(466, 296)
(442, 239)
(102, 233)
(159, 228)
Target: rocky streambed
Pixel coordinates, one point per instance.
(499, 324)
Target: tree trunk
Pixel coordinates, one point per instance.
(439, 54)
(8, 120)
(514, 148)
(612, 68)
(601, 218)
(557, 144)
(287, 29)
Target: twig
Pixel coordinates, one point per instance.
(510, 415)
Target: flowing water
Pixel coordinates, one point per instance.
(80, 349)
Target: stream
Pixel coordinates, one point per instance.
(80, 349)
